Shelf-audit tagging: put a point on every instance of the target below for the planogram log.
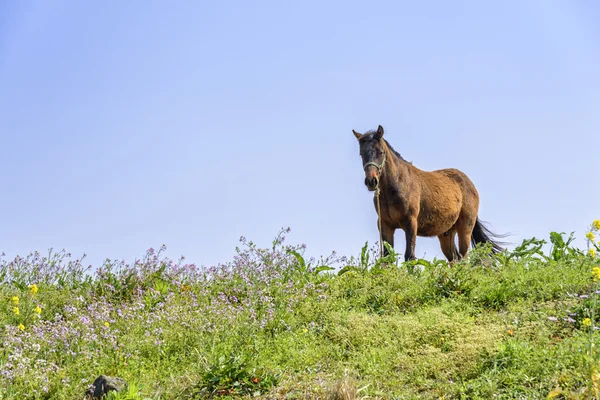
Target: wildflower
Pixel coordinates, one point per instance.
(37, 310)
(596, 225)
(255, 380)
(15, 300)
(304, 330)
(16, 311)
(510, 332)
(590, 236)
(596, 273)
(592, 253)
(586, 322)
(106, 324)
(21, 327)
(33, 289)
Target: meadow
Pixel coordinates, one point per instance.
(272, 325)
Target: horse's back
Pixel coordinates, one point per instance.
(457, 176)
(468, 192)
(446, 195)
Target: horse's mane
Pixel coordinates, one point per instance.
(389, 147)
(395, 152)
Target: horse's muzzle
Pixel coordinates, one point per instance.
(371, 183)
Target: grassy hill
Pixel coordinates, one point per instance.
(273, 325)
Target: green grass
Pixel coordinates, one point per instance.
(271, 325)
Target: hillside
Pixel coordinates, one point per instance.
(273, 325)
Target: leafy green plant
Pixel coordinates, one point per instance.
(447, 280)
(391, 259)
(528, 248)
(562, 248)
(131, 393)
(234, 374)
(304, 271)
(364, 262)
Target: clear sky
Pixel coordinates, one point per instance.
(128, 124)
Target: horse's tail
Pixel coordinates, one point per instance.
(482, 234)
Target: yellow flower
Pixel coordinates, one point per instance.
(586, 322)
(304, 330)
(596, 273)
(590, 236)
(15, 300)
(596, 225)
(33, 288)
(106, 324)
(37, 310)
(16, 311)
(21, 327)
(592, 253)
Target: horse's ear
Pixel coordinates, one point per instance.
(356, 134)
(379, 133)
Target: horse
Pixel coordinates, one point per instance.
(442, 203)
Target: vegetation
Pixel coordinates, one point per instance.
(271, 324)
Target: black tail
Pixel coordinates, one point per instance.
(481, 234)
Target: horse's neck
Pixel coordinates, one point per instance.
(396, 170)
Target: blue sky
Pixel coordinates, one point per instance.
(126, 125)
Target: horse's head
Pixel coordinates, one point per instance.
(372, 152)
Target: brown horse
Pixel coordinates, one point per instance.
(440, 203)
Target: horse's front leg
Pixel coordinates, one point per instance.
(387, 234)
(411, 238)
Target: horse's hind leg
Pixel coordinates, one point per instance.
(464, 228)
(448, 246)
